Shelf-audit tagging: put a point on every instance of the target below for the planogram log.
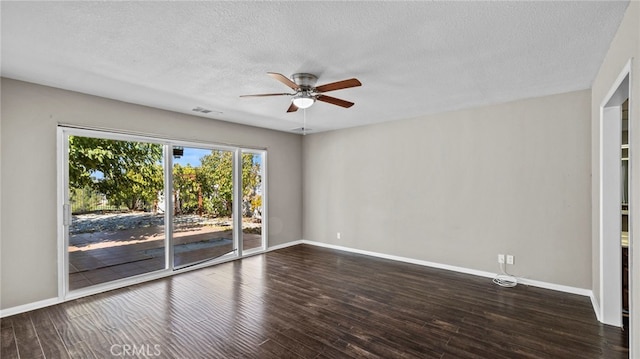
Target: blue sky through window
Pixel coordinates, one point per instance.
(190, 157)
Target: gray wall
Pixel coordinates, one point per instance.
(625, 45)
(454, 188)
(30, 114)
(459, 188)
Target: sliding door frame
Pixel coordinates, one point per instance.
(169, 217)
(263, 177)
(64, 208)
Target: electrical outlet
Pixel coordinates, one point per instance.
(509, 259)
(338, 235)
(501, 258)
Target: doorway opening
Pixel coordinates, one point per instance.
(615, 205)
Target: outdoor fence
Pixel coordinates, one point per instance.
(90, 201)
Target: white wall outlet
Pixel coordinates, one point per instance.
(501, 258)
(338, 235)
(509, 259)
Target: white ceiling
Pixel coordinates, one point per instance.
(413, 58)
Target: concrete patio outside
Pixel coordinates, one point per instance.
(107, 255)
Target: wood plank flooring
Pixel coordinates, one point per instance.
(309, 302)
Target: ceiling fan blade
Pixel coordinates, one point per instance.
(285, 80)
(292, 108)
(334, 101)
(267, 94)
(338, 85)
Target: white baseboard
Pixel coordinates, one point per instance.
(596, 307)
(530, 282)
(556, 287)
(285, 245)
(28, 307)
(403, 259)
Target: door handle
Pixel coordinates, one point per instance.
(66, 210)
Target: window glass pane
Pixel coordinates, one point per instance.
(117, 227)
(202, 204)
(118, 205)
(252, 200)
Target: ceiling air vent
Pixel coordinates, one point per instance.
(302, 130)
(202, 110)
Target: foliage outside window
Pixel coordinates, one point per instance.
(110, 174)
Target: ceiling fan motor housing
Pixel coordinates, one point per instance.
(304, 80)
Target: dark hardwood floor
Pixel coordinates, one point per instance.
(311, 302)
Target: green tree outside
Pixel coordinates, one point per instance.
(131, 173)
(128, 173)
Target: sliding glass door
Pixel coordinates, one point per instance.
(133, 205)
(202, 204)
(115, 228)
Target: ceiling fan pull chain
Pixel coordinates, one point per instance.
(304, 121)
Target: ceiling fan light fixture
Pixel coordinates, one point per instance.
(303, 101)
(306, 93)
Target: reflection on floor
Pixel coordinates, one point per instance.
(311, 302)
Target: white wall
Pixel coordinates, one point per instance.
(625, 45)
(30, 115)
(458, 188)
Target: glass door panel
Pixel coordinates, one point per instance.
(202, 201)
(135, 205)
(117, 227)
(252, 200)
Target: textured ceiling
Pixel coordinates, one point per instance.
(413, 58)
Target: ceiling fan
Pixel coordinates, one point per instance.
(306, 92)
